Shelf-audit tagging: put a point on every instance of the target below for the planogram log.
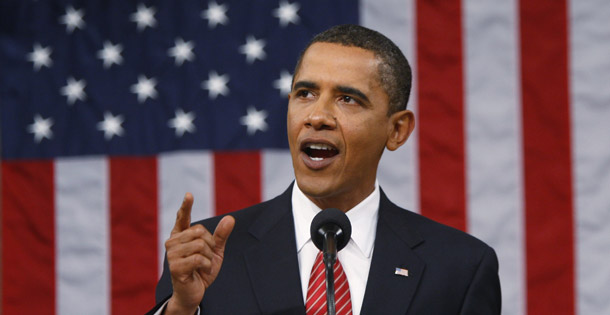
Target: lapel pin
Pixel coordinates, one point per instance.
(401, 272)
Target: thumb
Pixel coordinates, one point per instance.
(222, 232)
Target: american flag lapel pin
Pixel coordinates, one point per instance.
(401, 272)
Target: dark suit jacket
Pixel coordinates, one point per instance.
(450, 272)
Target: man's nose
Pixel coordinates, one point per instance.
(322, 115)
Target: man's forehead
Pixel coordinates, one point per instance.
(338, 50)
(331, 60)
(338, 46)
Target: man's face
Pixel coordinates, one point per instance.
(338, 124)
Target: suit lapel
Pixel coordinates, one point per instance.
(387, 292)
(272, 263)
(273, 268)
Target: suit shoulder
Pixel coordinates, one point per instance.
(433, 234)
(456, 267)
(431, 229)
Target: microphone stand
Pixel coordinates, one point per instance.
(327, 228)
(330, 257)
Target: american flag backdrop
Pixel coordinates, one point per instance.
(112, 110)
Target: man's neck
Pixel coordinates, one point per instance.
(343, 201)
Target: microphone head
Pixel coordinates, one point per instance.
(331, 220)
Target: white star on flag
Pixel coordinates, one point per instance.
(111, 125)
(111, 54)
(182, 51)
(41, 128)
(144, 17)
(145, 88)
(215, 14)
(253, 49)
(216, 84)
(182, 122)
(287, 13)
(284, 83)
(40, 56)
(74, 90)
(73, 19)
(254, 120)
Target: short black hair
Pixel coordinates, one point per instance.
(394, 70)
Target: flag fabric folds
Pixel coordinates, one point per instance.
(111, 110)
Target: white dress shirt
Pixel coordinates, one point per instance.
(355, 257)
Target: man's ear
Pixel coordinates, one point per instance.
(400, 128)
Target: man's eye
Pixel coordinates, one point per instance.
(348, 99)
(303, 93)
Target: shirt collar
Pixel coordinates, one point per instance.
(363, 218)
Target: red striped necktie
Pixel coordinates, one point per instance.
(316, 292)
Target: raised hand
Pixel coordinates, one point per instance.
(194, 256)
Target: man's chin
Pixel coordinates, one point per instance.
(315, 187)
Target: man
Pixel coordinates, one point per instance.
(347, 104)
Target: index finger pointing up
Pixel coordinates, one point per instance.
(183, 217)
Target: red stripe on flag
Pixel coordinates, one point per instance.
(547, 164)
(441, 112)
(133, 221)
(28, 238)
(237, 180)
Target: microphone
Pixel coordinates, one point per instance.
(330, 232)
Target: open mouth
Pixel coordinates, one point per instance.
(319, 151)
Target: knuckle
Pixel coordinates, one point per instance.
(206, 265)
(199, 243)
(172, 256)
(209, 238)
(198, 228)
(173, 241)
(199, 260)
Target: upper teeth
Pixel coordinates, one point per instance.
(320, 146)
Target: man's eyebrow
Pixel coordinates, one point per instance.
(353, 91)
(305, 84)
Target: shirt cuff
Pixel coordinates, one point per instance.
(162, 309)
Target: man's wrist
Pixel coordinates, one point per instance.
(174, 308)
